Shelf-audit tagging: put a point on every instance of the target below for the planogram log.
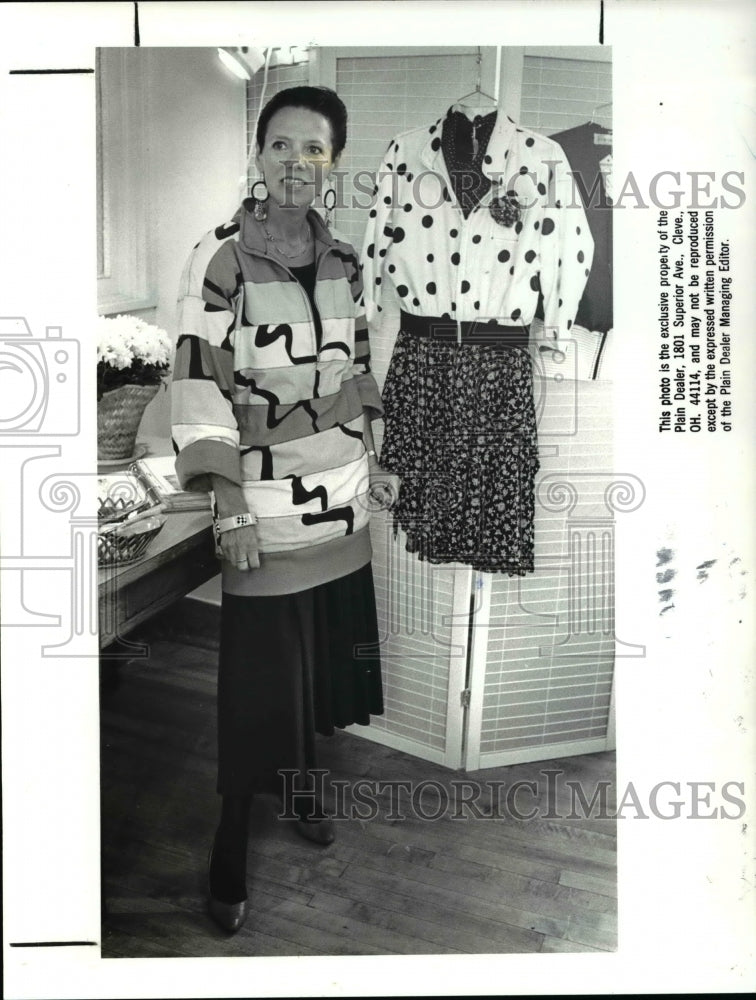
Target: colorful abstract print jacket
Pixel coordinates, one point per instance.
(256, 400)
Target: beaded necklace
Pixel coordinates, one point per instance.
(290, 256)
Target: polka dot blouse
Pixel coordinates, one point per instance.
(445, 265)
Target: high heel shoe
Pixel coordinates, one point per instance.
(229, 916)
(320, 832)
(317, 831)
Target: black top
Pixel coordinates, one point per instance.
(584, 155)
(305, 275)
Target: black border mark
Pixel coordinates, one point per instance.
(136, 23)
(36, 72)
(49, 944)
(600, 351)
(601, 23)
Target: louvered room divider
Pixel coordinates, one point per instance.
(542, 668)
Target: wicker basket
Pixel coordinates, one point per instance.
(128, 542)
(122, 494)
(119, 414)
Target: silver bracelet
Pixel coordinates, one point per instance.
(235, 521)
(371, 453)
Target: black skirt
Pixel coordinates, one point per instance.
(292, 666)
(460, 431)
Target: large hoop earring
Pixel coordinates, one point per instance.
(260, 211)
(329, 204)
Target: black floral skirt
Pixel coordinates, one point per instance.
(292, 666)
(460, 431)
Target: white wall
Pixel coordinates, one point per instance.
(196, 136)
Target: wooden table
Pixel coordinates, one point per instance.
(179, 559)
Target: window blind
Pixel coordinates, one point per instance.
(558, 94)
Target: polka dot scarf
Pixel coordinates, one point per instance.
(464, 145)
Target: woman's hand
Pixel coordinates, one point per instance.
(239, 547)
(384, 486)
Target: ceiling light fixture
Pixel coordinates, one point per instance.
(243, 62)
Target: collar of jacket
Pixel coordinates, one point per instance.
(498, 144)
(252, 235)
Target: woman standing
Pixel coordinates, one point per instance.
(272, 405)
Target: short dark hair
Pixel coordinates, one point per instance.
(321, 99)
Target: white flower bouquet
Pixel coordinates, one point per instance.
(130, 352)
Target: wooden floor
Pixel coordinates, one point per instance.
(386, 886)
